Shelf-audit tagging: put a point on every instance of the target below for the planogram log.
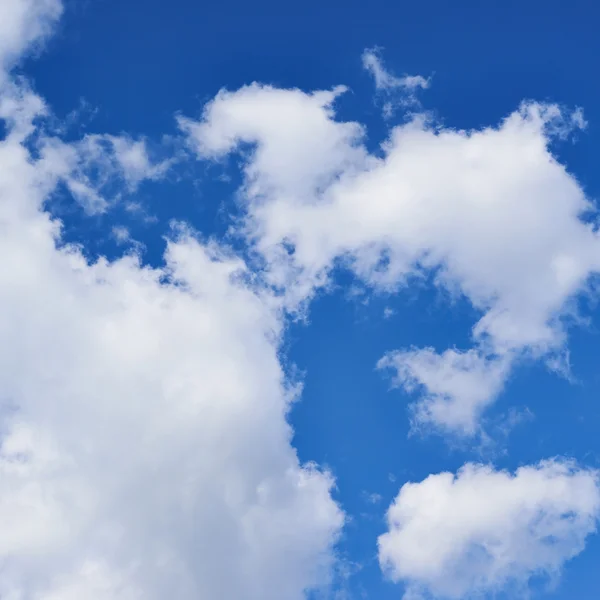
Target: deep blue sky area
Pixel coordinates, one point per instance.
(134, 64)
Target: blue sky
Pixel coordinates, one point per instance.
(148, 398)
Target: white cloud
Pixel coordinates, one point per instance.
(128, 156)
(458, 385)
(144, 449)
(399, 91)
(384, 80)
(481, 530)
(95, 163)
(98, 169)
(490, 212)
(101, 162)
(24, 23)
(144, 426)
(262, 113)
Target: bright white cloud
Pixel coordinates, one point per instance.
(490, 212)
(453, 536)
(145, 424)
(145, 445)
(304, 147)
(24, 23)
(458, 385)
(145, 451)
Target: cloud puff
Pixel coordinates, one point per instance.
(490, 213)
(453, 536)
(458, 385)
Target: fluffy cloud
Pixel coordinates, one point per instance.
(23, 23)
(490, 213)
(480, 530)
(145, 450)
(458, 385)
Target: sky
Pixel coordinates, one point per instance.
(299, 302)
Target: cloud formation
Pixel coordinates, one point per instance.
(456, 536)
(144, 445)
(458, 385)
(490, 214)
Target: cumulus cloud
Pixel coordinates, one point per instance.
(144, 450)
(490, 214)
(454, 536)
(145, 445)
